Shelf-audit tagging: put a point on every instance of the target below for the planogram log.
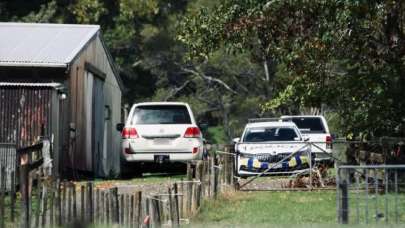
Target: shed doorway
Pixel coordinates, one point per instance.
(95, 122)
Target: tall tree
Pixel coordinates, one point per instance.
(346, 54)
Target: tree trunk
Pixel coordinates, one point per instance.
(266, 70)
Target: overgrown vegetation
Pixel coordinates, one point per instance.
(344, 56)
(238, 59)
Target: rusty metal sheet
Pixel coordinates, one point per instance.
(25, 114)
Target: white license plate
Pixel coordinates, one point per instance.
(161, 141)
(275, 165)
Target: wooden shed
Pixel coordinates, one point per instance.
(60, 80)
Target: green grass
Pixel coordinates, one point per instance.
(262, 208)
(275, 209)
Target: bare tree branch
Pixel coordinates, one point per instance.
(176, 90)
(210, 79)
(240, 84)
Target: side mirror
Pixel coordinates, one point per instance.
(236, 140)
(120, 127)
(306, 139)
(203, 126)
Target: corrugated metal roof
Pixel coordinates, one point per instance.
(42, 45)
(12, 84)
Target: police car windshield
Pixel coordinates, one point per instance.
(270, 134)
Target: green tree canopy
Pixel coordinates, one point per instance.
(347, 55)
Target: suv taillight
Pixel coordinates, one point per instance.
(328, 142)
(129, 133)
(192, 132)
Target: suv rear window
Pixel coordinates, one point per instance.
(309, 124)
(269, 134)
(161, 114)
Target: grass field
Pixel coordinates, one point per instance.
(271, 209)
(261, 208)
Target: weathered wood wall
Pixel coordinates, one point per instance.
(95, 54)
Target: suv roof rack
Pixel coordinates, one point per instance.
(258, 120)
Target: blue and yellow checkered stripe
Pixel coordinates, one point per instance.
(254, 163)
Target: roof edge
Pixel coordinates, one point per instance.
(23, 84)
(22, 24)
(33, 64)
(112, 64)
(76, 52)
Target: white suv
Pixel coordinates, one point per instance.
(161, 132)
(316, 130)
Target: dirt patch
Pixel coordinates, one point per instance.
(153, 184)
(147, 188)
(300, 182)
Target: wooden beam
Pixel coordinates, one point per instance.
(95, 70)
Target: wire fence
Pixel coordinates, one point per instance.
(371, 194)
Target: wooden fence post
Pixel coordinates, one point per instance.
(69, 201)
(121, 207)
(13, 197)
(232, 167)
(162, 210)
(102, 207)
(90, 202)
(38, 201)
(44, 203)
(224, 167)
(208, 176)
(74, 202)
(176, 205)
(116, 211)
(198, 196)
(132, 211)
(146, 221)
(193, 198)
(128, 208)
(138, 214)
(189, 197)
(82, 204)
(58, 203)
(182, 198)
(63, 186)
(24, 182)
(107, 207)
(215, 172)
(344, 210)
(200, 174)
(171, 206)
(2, 196)
(156, 213)
(227, 158)
(212, 176)
(52, 205)
(97, 208)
